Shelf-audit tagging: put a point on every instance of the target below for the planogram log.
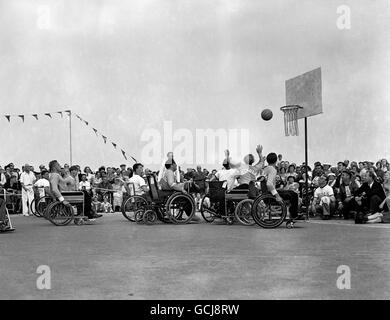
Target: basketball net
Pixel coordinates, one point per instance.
(291, 120)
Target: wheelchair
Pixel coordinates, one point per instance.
(230, 206)
(39, 205)
(167, 206)
(60, 214)
(7, 227)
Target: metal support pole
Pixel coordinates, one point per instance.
(70, 138)
(307, 200)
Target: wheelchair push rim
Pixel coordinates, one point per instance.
(133, 205)
(207, 209)
(267, 212)
(243, 212)
(59, 214)
(180, 208)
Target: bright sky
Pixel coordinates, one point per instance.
(128, 66)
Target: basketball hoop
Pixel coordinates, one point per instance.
(291, 119)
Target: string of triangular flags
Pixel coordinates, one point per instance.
(97, 133)
(36, 115)
(69, 113)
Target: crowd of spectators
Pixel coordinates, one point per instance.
(349, 190)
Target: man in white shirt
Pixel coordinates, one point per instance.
(84, 184)
(228, 175)
(136, 181)
(27, 179)
(43, 184)
(324, 200)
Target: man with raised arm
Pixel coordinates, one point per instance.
(247, 171)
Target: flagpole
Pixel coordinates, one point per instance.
(70, 137)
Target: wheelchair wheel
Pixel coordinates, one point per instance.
(59, 214)
(180, 208)
(42, 204)
(208, 210)
(267, 212)
(243, 212)
(132, 205)
(139, 216)
(149, 217)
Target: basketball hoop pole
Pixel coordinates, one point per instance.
(306, 173)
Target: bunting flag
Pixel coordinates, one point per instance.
(124, 154)
(69, 113)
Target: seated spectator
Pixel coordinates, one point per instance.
(103, 187)
(324, 200)
(384, 214)
(370, 195)
(96, 205)
(106, 205)
(345, 196)
(90, 176)
(283, 174)
(326, 167)
(331, 179)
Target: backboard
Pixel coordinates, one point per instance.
(306, 91)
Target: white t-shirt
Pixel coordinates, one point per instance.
(229, 176)
(138, 182)
(41, 184)
(27, 179)
(325, 191)
(85, 184)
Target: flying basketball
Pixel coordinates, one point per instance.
(266, 114)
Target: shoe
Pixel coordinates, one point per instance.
(95, 216)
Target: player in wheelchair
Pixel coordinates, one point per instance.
(69, 204)
(170, 203)
(269, 209)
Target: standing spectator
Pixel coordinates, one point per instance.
(118, 190)
(27, 179)
(89, 174)
(43, 184)
(84, 184)
(3, 178)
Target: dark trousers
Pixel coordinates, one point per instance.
(348, 206)
(293, 198)
(372, 204)
(88, 212)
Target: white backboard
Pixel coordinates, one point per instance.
(306, 91)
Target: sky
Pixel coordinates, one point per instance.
(153, 75)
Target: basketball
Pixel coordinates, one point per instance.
(266, 114)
